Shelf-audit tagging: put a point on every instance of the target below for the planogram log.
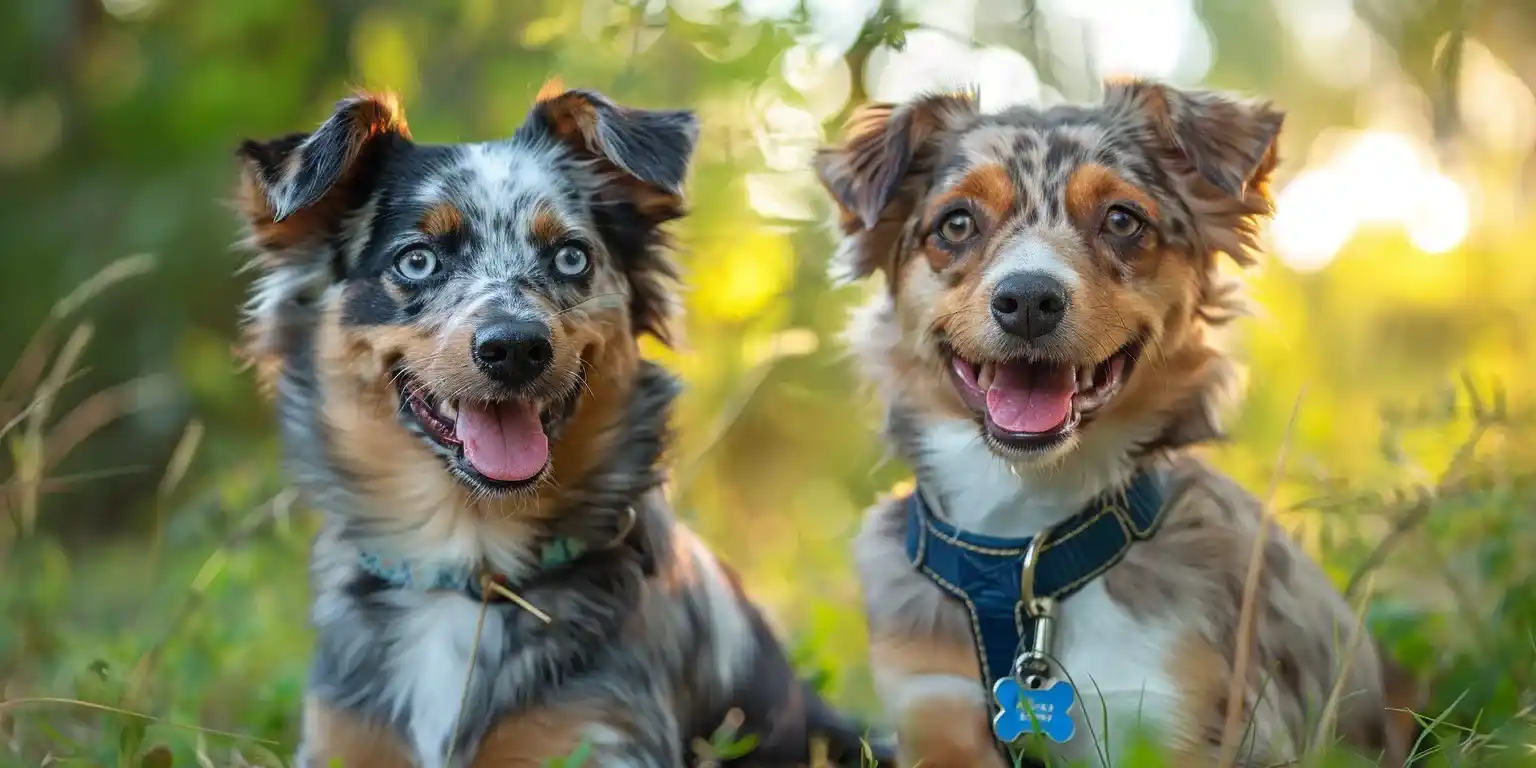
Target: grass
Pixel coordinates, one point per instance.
(183, 645)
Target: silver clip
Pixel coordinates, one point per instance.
(1033, 667)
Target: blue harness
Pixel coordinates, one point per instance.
(984, 572)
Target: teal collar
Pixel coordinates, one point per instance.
(555, 553)
(462, 577)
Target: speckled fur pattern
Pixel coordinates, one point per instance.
(652, 640)
(1153, 642)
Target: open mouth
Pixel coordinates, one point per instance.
(499, 445)
(1035, 405)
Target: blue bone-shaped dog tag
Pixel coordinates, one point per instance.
(1050, 705)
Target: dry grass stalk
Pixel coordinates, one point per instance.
(1236, 693)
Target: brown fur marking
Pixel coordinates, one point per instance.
(333, 735)
(547, 227)
(1202, 673)
(924, 656)
(442, 220)
(551, 89)
(1093, 188)
(986, 184)
(296, 230)
(573, 116)
(531, 739)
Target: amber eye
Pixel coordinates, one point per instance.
(957, 227)
(1122, 222)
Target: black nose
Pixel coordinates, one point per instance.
(1029, 305)
(513, 351)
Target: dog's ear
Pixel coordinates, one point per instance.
(649, 150)
(1219, 149)
(885, 146)
(643, 157)
(291, 186)
(1228, 140)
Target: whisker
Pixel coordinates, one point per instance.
(578, 304)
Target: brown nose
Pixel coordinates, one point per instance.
(1029, 305)
(513, 351)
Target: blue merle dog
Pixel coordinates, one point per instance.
(450, 333)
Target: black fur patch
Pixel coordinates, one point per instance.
(367, 303)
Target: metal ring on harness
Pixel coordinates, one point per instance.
(1033, 666)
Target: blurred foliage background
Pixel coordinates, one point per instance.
(154, 563)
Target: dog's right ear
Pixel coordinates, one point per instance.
(292, 187)
(649, 151)
(643, 156)
(1229, 141)
(885, 148)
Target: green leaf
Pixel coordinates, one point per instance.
(577, 758)
(259, 755)
(737, 748)
(129, 739)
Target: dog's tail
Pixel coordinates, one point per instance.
(849, 743)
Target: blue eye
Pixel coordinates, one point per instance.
(416, 264)
(572, 260)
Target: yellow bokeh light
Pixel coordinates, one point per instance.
(740, 278)
(1380, 167)
(1374, 178)
(1442, 217)
(1313, 220)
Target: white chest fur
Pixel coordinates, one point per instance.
(1119, 664)
(429, 661)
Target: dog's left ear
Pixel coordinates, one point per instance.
(286, 182)
(649, 149)
(1228, 140)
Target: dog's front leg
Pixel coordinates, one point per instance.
(335, 737)
(606, 735)
(937, 703)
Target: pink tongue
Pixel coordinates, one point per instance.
(1028, 397)
(503, 441)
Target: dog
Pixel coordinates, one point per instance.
(450, 334)
(1045, 345)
